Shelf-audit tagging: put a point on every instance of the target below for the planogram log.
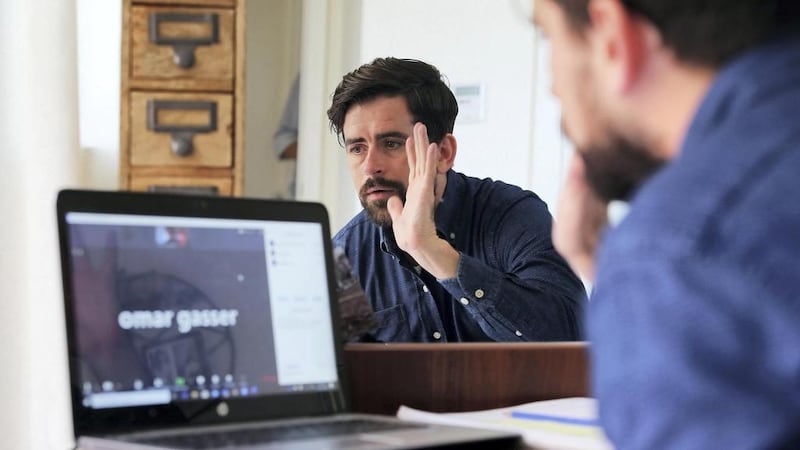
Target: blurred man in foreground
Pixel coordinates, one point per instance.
(688, 109)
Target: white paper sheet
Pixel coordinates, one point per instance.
(562, 424)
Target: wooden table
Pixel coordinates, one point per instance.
(463, 377)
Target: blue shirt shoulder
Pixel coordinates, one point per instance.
(696, 295)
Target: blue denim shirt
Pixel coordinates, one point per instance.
(695, 317)
(511, 284)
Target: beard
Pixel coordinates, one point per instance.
(377, 211)
(615, 169)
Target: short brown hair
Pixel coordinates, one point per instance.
(429, 99)
(704, 32)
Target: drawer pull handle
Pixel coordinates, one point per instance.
(183, 47)
(182, 134)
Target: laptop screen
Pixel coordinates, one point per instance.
(177, 308)
(188, 308)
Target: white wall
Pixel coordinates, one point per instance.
(38, 156)
(99, 35)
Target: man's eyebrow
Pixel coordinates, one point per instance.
(388, 134)
(392, 134)
(354, 141)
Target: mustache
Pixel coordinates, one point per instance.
(380, 182)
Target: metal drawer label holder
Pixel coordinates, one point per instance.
(183, 47)
(181, 134)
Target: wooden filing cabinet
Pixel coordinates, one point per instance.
(182, 96)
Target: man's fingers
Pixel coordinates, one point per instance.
(580, 220)
(421, 147)
(432, 159)
(395, 207)
(411, 155)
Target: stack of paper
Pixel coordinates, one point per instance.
(568, 423)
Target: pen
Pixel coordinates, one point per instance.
(567, 420)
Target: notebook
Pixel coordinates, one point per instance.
(193, 321)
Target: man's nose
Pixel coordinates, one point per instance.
(373, 162)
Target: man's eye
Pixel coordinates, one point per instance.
(355, 150)
(393, 145)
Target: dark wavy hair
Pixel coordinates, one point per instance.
(704, 32)
(429, 99)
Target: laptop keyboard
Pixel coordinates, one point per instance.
(251, 436)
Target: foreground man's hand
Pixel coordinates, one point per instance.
(581, 218)
(413, 225)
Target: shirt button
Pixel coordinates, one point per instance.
(425, 288)
(437, 335)
(452, 235)
(464, 301)
(518, 333)
(479, 293)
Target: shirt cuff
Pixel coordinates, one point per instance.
(474, 281)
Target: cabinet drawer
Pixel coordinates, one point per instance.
(189, 185)
(191, 44)
(181, 129)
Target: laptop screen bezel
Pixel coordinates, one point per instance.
(89, 421)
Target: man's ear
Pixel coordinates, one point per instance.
(620, 41)
(447, 153)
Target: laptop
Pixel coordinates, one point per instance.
(212, 322)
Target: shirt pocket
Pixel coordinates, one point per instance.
(392, 325)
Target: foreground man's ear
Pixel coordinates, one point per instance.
(619, 41)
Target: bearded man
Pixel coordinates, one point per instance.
(687, 110)
(442, 257)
